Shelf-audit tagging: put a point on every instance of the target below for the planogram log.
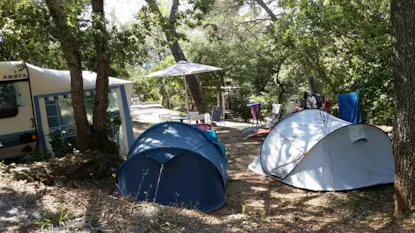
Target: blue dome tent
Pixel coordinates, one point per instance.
(177, 164)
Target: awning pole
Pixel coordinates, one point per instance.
(185, 90)
(158, 182)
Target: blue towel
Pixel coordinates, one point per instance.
(349, 109)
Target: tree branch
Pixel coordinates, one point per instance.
(155, 9)
(267, 9)
(251, 21)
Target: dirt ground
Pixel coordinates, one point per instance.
(254, 204)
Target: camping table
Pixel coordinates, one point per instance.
(181, 118)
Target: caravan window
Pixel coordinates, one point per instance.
(61, 122)
(10, 100)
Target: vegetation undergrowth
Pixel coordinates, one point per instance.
(72, 167)
(50, 219)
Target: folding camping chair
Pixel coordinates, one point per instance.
(206, 122)
(218, 115)
(195, 116)
(256, 113)
(263, 129)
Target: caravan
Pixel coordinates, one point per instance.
(36, 112)
(18, 133)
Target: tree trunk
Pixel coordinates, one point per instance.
(73, 57)
(99, 125)
(403, 40)
(165, 93)
(192, 80)
(312, 85)
(169, 28)
(282, 92)
(219, 91)
(218, 96)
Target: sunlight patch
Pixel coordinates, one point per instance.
(259, 189)
(171, 131)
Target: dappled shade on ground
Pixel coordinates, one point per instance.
(254, 204)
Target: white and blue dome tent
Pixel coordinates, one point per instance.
(312, 149)
(173, 163)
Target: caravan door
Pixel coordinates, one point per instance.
(17, 125)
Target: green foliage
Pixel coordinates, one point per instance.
(192, 205)
(41, 156)
(125, 45)
(346, 46)
(60, 146)
(24, 34)
(263, 214)
(243, 111)
(51, 220)
(251, 65)
(343, 45)
(147, 192)
(143, 175)
(266, 100)
(168, 90)
(195, 15)
(243, 206)
(148, 87)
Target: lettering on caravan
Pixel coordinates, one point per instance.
(14, 76)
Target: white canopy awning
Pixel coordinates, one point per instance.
(183, 68)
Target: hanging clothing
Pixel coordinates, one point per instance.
(349, 107)
(313, 100)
